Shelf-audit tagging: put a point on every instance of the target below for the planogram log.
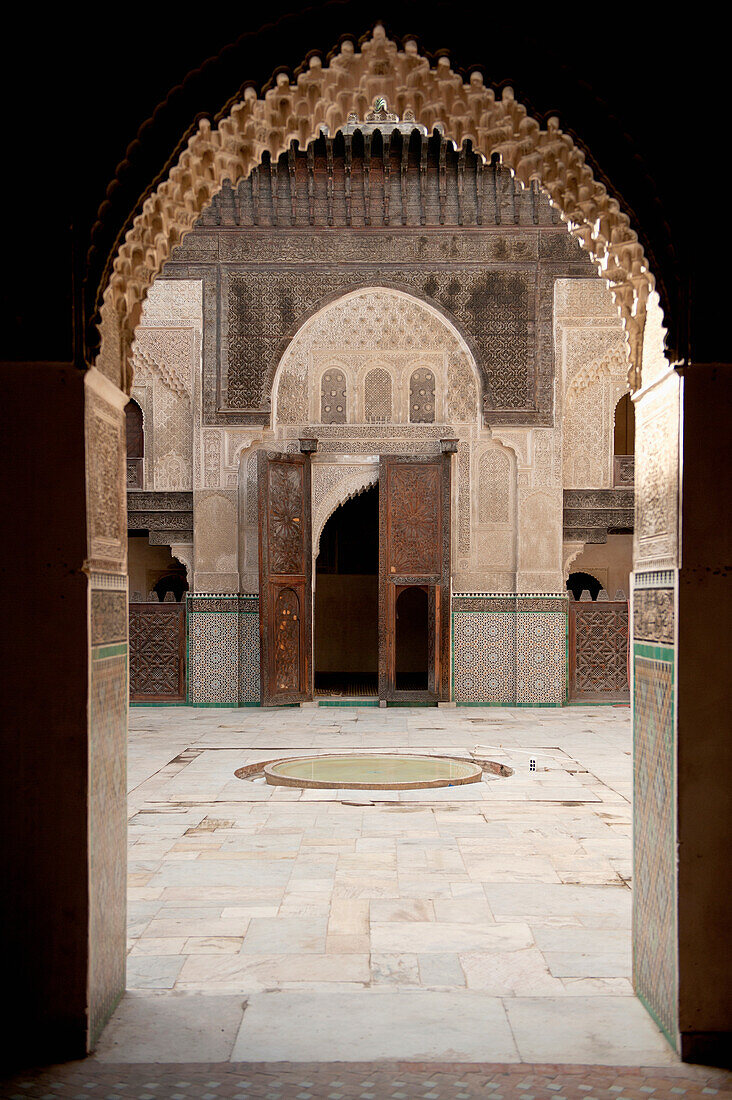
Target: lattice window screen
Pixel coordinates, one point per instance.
(422, 397)
(333, 397)
(377, 396)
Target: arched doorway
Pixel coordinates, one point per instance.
(580, 582)
(346, 600)
(411, 639)
(144, 252)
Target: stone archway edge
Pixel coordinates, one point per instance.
(324, 95)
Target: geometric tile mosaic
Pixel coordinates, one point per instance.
(504, 653)
(223, 650)
(213, 658)
(500, 657)
(541, 658)
(484, 657)
(107, 823)
(248, 657)
(654, 837)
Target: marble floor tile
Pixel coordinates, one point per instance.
(153, 1028)
(441, 970)
(213, 945)
(590, 964)
(383, 923)
(403, 909)
(440, 937)
(257, 972)
(403, 1025)
(284, 936)
(152, 945)
(587, 1031)
(394, 970)
(522, 973)
(153, 971)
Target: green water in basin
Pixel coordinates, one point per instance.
(372, 771)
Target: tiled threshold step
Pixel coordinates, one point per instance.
(370, 1081)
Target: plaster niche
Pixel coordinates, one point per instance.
(540, 540)
(248, 521)
(367, 346)
(588, 422)
(494, 517)
(165, 360)
(216, 539)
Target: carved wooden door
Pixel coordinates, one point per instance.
(285, 579)
(414, 551)
(598, 651)
(157, 652)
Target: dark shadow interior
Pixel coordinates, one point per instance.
(624, 434)
(347, 599)
(578, 582)
(411, 651)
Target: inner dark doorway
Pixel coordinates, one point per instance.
(577, 583)
(347, 599)
(412, 626)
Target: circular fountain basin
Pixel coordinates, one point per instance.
(372, 772)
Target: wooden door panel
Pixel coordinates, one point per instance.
(414, 550)
(285, 578)
(414, 518)
(598, 651)
(157, 653)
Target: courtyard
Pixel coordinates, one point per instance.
(483, 923)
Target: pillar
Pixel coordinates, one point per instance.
(681, 604)
(64, 669)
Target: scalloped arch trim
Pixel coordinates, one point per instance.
(324, 95)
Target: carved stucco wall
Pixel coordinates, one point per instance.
(592, 369)
(166, 360)
(376, 330)
(215, 541)
(507, 495)
(512, 474)
(326, 94)
(179, 453)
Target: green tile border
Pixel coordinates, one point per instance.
(655, 652)
(512, 706)
(101, 652)
(180, 703)
(354, 703)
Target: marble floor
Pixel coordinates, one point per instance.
(483, 923)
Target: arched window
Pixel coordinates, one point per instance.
(377, 396)
(624, 426)
(172, 584)
(422, 397)
(578, 583)
(135, 444)
(333, 397)
(624, 443)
